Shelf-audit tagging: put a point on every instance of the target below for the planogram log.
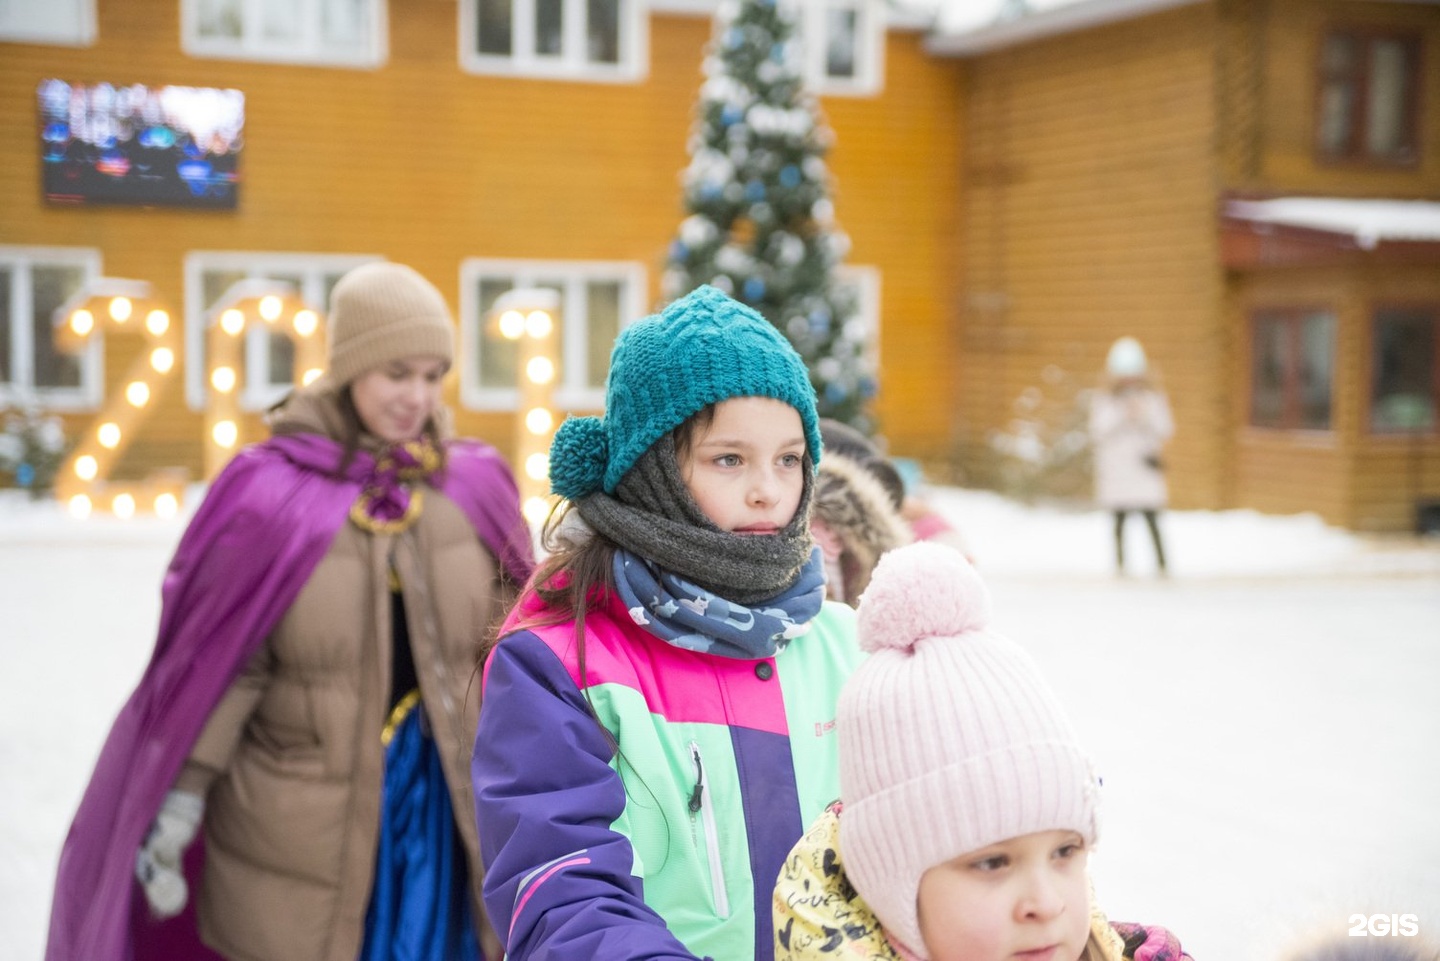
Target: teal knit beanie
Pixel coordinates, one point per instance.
(700, 350)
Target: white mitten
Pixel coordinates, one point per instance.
(157, 864)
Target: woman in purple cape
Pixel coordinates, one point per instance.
(290, 779)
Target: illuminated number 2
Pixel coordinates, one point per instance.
(119, 306)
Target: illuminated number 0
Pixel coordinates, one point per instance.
(247, 304)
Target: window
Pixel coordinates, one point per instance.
(596, 300)
(1405, 370)
(269, 366)
(561, 39)
(61, 22)
(1368, 88)
(33, 283)
(345, 33)
(1292, 366)
(844, 42)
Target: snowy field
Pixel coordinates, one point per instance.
(1266, 720)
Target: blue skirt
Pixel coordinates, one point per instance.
(420, 907)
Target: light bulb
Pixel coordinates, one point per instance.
(232, 322)
(167, 505)
(82, 322)
(120, 309)
(538, 323)
(537, 466)
(269, 308)
(157, 322)
(305, 322)
(539, 420)
(138, 393)
(512, 324)
(540, 370)
(225, 434)
(123, 506)
(86, 467)
(535, 509)
(109, 435)
(223, 379)
(162, 359)
(80, 506)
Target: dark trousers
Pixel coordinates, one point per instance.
(1152, 523)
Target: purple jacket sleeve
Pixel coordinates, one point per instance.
(558, 882)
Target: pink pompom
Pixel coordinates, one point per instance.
(918, 591)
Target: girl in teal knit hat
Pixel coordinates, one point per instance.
(658, 715)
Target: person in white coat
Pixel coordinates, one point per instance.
(1129, 424)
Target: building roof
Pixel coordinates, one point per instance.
(1366, 222)
(957, 33)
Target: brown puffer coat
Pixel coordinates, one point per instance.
(291, 756)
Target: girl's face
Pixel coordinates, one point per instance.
(1024, 899)
(746, 467)
(396, 399)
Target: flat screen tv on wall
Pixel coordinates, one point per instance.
(104, 143)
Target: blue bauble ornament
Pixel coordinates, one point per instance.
(25, 474)
(753, 289)
(835, 392)
(754, 191)
(678, 250)
(789, 176)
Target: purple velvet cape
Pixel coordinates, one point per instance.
(266, 522)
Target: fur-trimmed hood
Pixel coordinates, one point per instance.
(857, 509)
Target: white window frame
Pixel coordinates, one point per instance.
(523, 61)
(571, 393)
(312, 48)
(20, 388)
(257, 392)
(870, 28)
(78, 28)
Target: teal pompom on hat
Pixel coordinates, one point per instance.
(699, 350)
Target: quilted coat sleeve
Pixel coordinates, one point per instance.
(558, 878)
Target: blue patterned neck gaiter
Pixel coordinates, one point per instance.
(689, 617)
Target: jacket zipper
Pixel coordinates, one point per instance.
(700, 804)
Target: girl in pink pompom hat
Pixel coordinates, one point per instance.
(969, 807)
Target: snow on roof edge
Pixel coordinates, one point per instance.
(1368, 221)
(1042, 23)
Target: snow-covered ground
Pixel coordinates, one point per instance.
(1267, 719)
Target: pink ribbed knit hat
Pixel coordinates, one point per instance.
(950, 740)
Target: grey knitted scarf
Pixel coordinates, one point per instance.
(653, 515)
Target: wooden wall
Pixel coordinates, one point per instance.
(1089, 214)
(1293, 32)
(422, 163)
(1349, 475)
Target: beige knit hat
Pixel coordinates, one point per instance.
(382, 312)
(950, 740)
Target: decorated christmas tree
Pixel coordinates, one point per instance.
(761, 225)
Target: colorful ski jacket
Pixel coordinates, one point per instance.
(655, 826)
